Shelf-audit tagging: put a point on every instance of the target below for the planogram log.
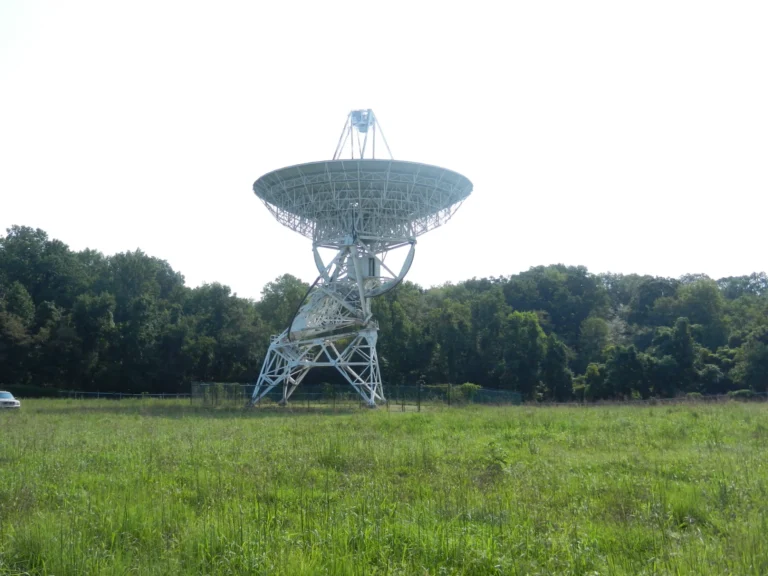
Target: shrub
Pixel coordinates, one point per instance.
(579, 389)
(215, 393)
(465, 392)
(327, 390)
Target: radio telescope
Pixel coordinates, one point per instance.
(362, 208)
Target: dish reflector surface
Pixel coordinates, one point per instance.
(386, 200)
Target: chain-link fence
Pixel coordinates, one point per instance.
(400, 398)
(41, 392)
(328, 397)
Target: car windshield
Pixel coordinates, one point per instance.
(6, 395)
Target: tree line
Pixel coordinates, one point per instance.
(128, 323)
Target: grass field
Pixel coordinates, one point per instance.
(160, 487)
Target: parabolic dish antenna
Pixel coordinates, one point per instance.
(362, 208)
(382, 199)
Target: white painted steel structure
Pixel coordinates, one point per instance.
(362, 208)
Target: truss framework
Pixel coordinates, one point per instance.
(354, 137)
(363, 208)
(334, 327)
(288, 362)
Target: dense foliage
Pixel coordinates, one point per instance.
(82, 320)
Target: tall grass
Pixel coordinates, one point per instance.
(153, 487)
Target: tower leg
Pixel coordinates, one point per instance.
(282, 366)
(359, 364)
(287, 363)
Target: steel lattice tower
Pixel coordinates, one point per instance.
(361, 207)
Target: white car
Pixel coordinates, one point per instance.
(8, 401)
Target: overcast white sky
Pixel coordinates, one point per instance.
(624, 136)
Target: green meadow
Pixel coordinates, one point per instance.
(163, 487)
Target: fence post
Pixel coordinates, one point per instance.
(449, 393)
(418, 398)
